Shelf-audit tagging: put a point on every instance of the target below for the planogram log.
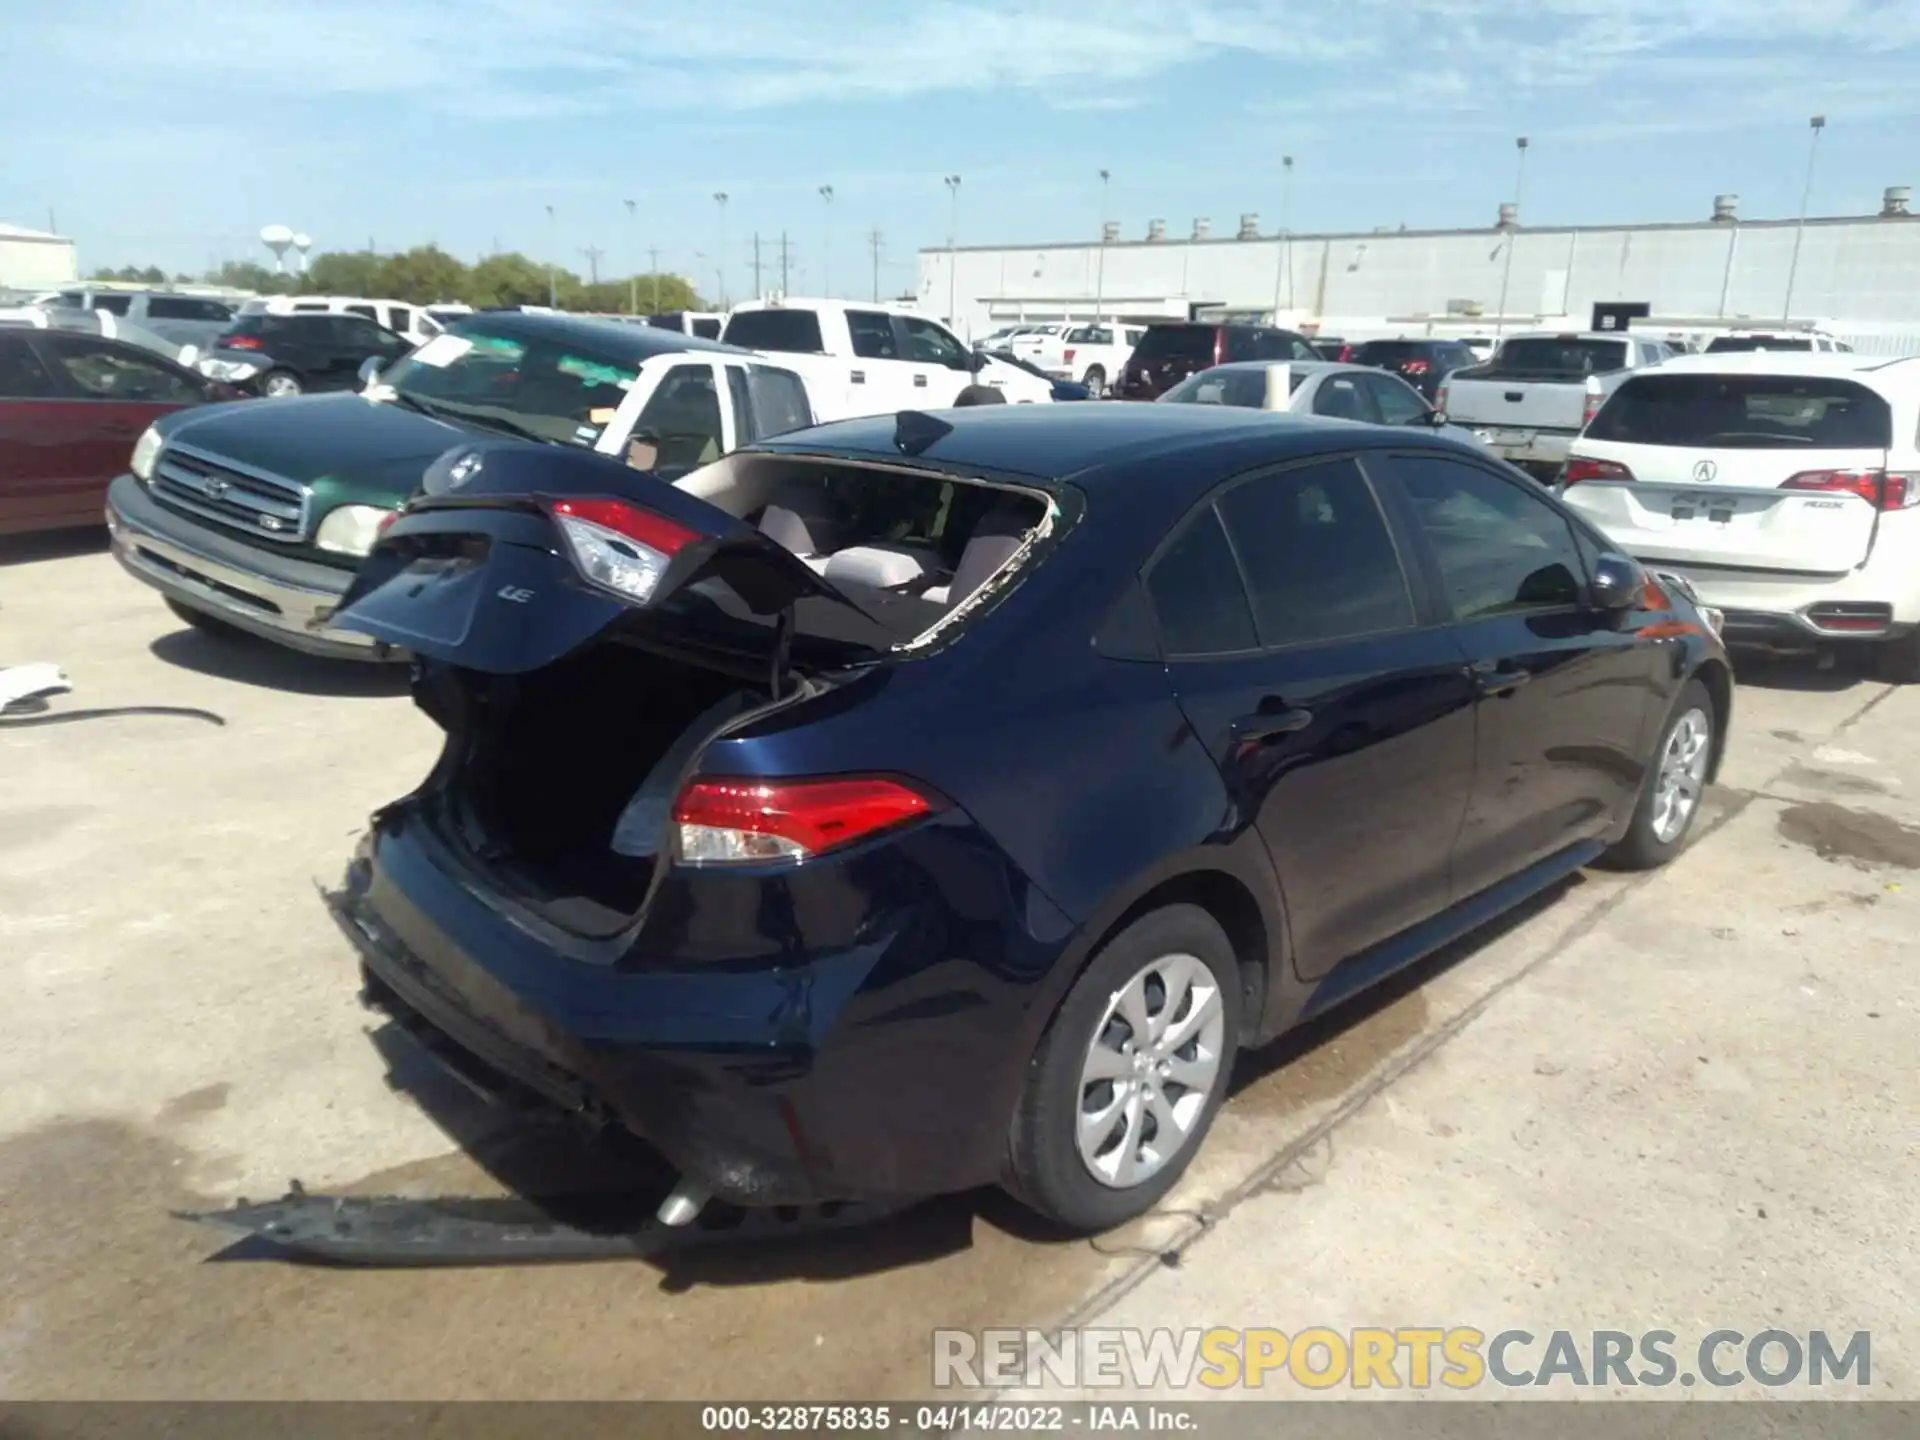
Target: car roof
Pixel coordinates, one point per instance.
(630, 342)
(1311, 367)
(1095, 444)
(1782, 362)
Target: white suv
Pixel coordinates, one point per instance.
(872, 359)
(1785, 487)
(412, 322)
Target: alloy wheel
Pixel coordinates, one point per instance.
(280, 386)
(1150, 1071)
(1682, 776)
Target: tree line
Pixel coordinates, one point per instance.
(428, 275)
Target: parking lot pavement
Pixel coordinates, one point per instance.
(180, 1029)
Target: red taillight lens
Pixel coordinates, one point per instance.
(746, 821)
(1592, 408)
(1882, 489)
(1346, 354)
(1069, 359)
(619, 547)
(1578, 470)
(1414, 367)
(242, 342)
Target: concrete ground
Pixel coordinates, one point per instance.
(1575, 1121)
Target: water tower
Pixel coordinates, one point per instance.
(302, 243)
(277, 238)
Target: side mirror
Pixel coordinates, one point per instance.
(975, 362)
(370, 369)
(1618, 583)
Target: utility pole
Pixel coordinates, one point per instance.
(1816, 124)
(633, 261)
(1100, 271)
(593, 254)
(875, 239)
(756, 266)
(720, 199)
(1513, 236)
(783, 262)
(1282, 266)
(553, 285)
(653, 269)
(826, 244)
(953, 241)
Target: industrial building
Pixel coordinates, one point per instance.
(35, 259)
(1857, 276)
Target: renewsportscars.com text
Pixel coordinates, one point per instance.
(1408, 1357)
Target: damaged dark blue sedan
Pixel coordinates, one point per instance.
(930, 801)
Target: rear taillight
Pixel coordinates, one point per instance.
(242, 342)
(1346, 355)
(749, 821)
(1578, 470)
(1414, 367)
(617, 546)
(1882, 489)
(1440, 398)
(1219, 346)
(1069, 359)
(1594, 401)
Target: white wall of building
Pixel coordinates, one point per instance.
(35, 260)
(1856, 271)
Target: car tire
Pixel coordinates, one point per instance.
(980, 395)
(1051, 1168)
(203, 622)
(1095, 380)
(1897, 661)
(1676, 775)
(277, 384)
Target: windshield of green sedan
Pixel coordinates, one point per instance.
(546, 389)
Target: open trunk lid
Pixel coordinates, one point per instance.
(516, 554)
(1746, 471)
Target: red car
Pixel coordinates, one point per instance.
(71, 407)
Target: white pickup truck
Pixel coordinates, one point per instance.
(1535, 396)
(876, 359)
(1094, 355)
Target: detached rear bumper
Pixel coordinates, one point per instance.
(278, 597)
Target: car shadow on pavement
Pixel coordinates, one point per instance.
(248, 661)
(52, 545)
(1763, 670)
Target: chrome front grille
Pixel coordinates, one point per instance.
(251, 501)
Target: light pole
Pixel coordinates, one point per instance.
(720, 199)
(1100, 269)
(553, 290)
(1282, 263)
(953, 241)
(1513, 234)
(1816, 124)
(633, 264)
(826, 244)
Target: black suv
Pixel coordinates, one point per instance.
(1168, 354)
(291, 354)
(1423, 364)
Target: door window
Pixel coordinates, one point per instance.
(366, 311)
(779, 401)
(795, 332)
(1340, 397)
(681, 419)
(1319, 560)
(399, 318)
(1397, 402)
(928, 344)
(872, 335)
(1198, 599)
(101, 370)
(22, 376)
(1500, 550)
(113, 304)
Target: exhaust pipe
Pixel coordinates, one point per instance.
(683, 1206)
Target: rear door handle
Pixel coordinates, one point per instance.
(1499, 678)
(1266, 724)
(920, 381)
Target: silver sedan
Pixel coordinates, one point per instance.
(1315, 387)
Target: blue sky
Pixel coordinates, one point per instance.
(169, 131)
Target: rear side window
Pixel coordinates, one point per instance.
(779, 401)
(1239, 343)
(872, 335)
(1319, 561)
(22, 376)
(707, 329)
(113, 304)
(794, 332)
(1745, 412)
(1726, 344)
(173, 307)
(1197, 596)
(1192, 343)
(1388, 352)
(1547, 356)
